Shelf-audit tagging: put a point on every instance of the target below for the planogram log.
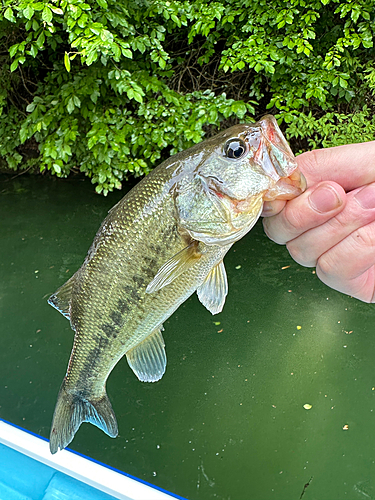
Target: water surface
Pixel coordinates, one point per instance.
(227, 420)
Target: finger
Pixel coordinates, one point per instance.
(271, 208)
(359, 210)
(355, 276)
(312, 208)
(351, 166)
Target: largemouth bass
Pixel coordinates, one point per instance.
(165, 240)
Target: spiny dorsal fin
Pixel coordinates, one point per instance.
(148, 359)
(60, 300)
(175, 266)
(214, 289)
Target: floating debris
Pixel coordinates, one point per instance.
(307, 406)
(285, 267)
(299, 327)
(346, 427)
(238, 267)
(306, 485)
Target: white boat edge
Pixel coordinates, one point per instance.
(79, 467)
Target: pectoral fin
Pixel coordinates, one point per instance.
(148, 359)
(60, 300)
(214, 289)
(175, 266)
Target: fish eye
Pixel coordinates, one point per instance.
(235, 149)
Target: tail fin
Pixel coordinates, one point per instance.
(73, 409)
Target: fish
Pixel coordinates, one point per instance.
(165, 240)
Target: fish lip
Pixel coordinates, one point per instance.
(236, 205)
(287, 188)
(273, 142)
(215, 186)
(271, 130)
(269, 162)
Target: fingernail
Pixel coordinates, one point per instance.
(324, 199)
(267, 208)
(366, 197)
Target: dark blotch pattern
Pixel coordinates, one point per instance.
(109, 330)
(117, 319)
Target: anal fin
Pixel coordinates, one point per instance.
(214, 289)
(148, 359)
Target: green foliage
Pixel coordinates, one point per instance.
(111, 87)
(333, 129)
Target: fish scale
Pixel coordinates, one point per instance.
(162, 242)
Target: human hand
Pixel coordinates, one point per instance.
(332, 225)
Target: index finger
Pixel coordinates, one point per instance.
(311, 209)
(351, 165)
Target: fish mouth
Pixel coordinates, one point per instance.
(226, 201)
(287, 188)
(271, 131)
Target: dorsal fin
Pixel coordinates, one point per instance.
(148, 359)
(60, 300)
(175, 266)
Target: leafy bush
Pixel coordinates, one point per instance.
(111, 87)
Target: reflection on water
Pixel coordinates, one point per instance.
(227, 421)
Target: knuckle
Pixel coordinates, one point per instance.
(309, 162)
(325, 267)
(364, 236)
(294, 220)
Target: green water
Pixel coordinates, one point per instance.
(227, 419)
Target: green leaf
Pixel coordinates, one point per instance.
(77, 101)
(137, 96)
(8, 14)
(368, 44)
(127, 53)
(31, 107)
(13, 49)
(40, 40)
(47, 14)
(102, 3)
(116, 51)
(23, 134)
(92, 57)
(14, 65)
(38, 6)
(33, 50)
(70, 106)
(343, 83)
(28, 12)
(67, 61)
